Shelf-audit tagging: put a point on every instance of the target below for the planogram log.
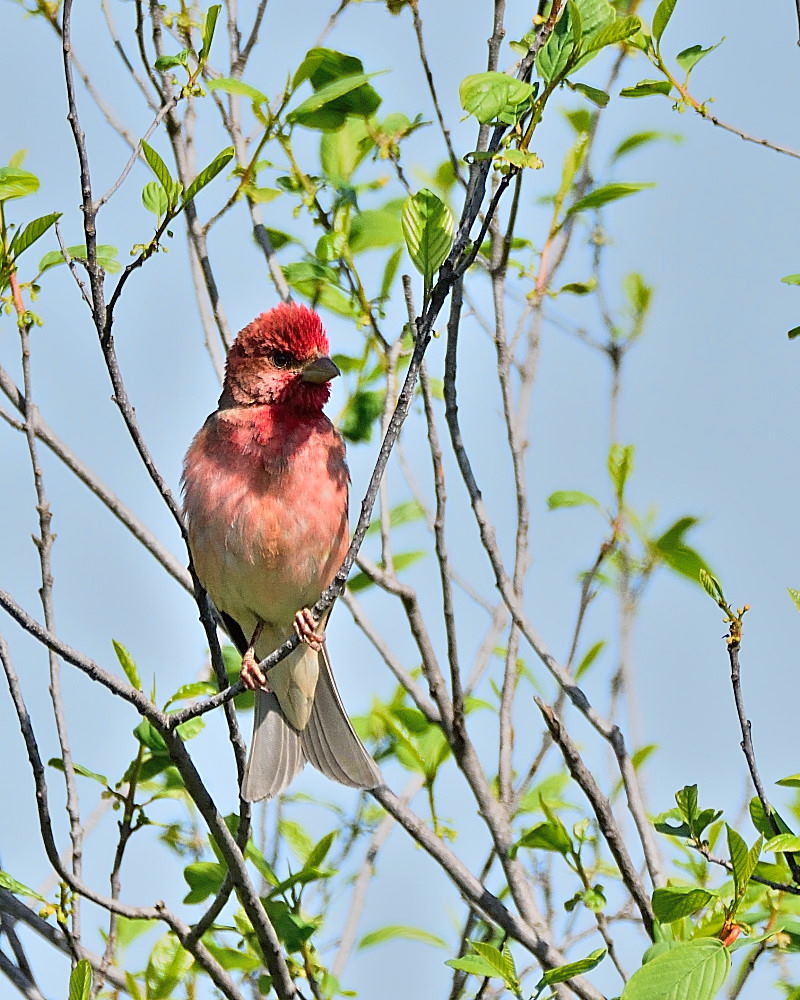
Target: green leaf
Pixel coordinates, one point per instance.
(400, 931)
(58, 764)
(127, 664)
(644, 88)
(401, 561)
(711, 585)
(589, 657)
(661, 17)
(31, 233)
(500, 963)
(638, 139)
(194, 690)
(674, 902)
(204, 879)
(376, 228)
(403, 513)
(154, 198)
(620, 463)
(563, 973)
(784, 843)
(671, 547)
(598, 97)
(793, 780)
(308, 111)
(363, 409)
(167, 966)
(318, 282)
(546, 837)
(428, 230)
(794, 332)
(611, 33)
(80, 981)
(494, 96)
(230, 86)
(690, 57)
(209, 25)
(474, 965)
(605, 194)
(18, 888)
(791, 279)
(743, 862)
(319, 851)
(159, 168)
(557, 55)
(170, 62)
(208, 174)
(16, 183)
(570, 498)
(766, 824)
(692, 970)
(106, 257)
(150, 737)
(343, 150)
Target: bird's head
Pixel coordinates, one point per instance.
(281, 358)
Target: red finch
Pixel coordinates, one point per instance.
(265, 498)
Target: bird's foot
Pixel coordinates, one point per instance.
(305, 625)
(253, 678)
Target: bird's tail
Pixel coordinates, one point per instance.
(276, 753)
(328, 742)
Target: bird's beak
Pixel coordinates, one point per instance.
(319, 370)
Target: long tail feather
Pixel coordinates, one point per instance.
(276, 752)
(329, 741)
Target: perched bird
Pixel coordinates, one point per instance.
(265, 497)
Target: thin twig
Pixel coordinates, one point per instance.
(602, 810)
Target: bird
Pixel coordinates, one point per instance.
(265, 487)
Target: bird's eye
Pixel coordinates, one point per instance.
(282, 359)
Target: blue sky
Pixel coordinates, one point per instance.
(709, 399)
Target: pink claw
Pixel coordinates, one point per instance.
(305, 625)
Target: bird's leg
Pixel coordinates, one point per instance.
(305, 625)
(253, 678)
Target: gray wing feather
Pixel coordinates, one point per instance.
(329, 741)
(276, 752)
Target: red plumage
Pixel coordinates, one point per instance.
(265, 498)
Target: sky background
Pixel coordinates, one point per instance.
(709, 400)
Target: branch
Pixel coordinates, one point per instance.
(602, 810)
(475, 893)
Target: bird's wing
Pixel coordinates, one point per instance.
(329, 740)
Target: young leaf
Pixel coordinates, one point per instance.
(228, 85)
(428, 231)
(491, 96)
(127, 664)
(644, 88)
(691, 970)
(166, 62)
(18, 888)
(674, 902)
(106, 257)
(15, 183)
(620, 463)
(58, 763)
(690, 57)
(154, 198)
(783, 843)
(208, 174)
(603, 195)
(209, 25)
(563, 973)
(304, 112)
(791, 279)
(473, 964)
(638, 139)
(159, 168)
(31, 233)
(570, 498)
(598, 97)
(500, 961)
(661, 17)
(400, 931)
(743, 861)
(611, 33)
(712, 586)
(80, 981)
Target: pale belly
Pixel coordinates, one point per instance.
(267, 544)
